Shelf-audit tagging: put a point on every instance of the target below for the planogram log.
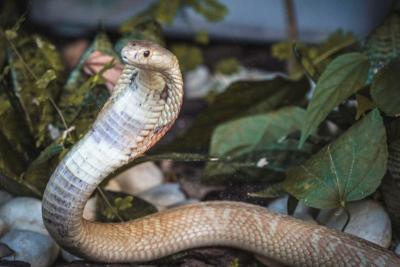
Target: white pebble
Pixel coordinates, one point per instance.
(164, 195)
(397, 249)
(137, 179)
(23, 213)
(368, 220)
(68, 257)
(37, 249)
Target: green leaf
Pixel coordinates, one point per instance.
(227, 66)
(127, 207)
(344, 76)
(385, 89)
(349, 169)
(364, 104)
(255, 132)
(254, 146)
(189, 56)
(212, 10)
(202, 37)
(383, 45)
(46, 78)
(240, 99)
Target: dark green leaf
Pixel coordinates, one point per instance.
(344, 76)
(349, 169)
(383, 45)
(240, 99)
(385, 89)
(255, 132)
(253, 145)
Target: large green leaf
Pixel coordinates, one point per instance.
(344, 76)
(383, 45)
(240, 99)
(349, 169)
(255, 147)
(385, 88)
(255, 132)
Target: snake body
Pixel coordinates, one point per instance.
(145, 103)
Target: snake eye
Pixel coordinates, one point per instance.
(146, 53)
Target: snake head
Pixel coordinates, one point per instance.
(148, 55)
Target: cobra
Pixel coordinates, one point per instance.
(144, 105)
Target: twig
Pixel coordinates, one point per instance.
(292, 31)
(348, 217)
(104, 197)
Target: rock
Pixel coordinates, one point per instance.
(368, 220)
(397, 249)
(37, 249)
(68, 257)
(164, 195)
(197, 82)
(4, 197)
(137, 179)
(89, 212)
(23, 213)
(279, 205)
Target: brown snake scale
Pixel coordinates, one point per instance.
(145, 103)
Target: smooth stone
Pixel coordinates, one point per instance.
(279, 205)
(4, 197)
(37, 249)
(137, 179)
(164, 195)
(368, 220)
(23, 213)
(68, 257)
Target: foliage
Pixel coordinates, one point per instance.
(165, 11)
(189, 56)
(344, 76)
(385, 88)
(348, 169)
(313, 58)
(250, 133)
(383, 45)
(227, 66)
(114, 207)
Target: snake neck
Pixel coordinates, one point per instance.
(142, 108)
